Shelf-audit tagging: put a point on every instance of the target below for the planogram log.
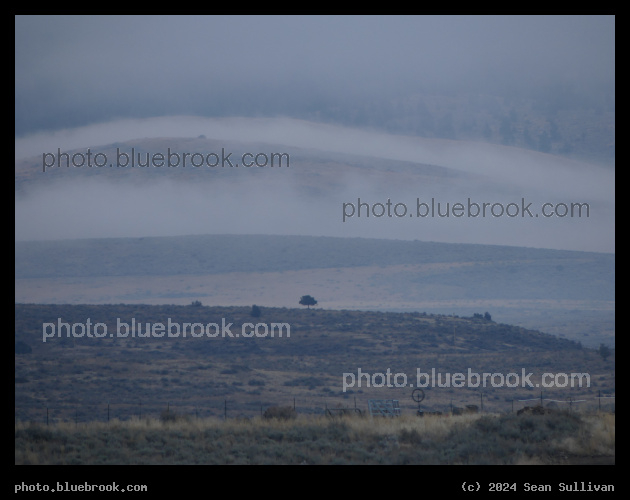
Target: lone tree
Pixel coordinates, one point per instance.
(308, 301)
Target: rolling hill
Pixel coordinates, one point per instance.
(315, 360)
(562, 292)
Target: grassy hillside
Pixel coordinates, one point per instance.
(88, 378)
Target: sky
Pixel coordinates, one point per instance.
(298, 80)
(73, 71)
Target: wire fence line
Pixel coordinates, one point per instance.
(570, 402)
(231, 408)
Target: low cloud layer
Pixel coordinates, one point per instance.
(99, 207)
(429, 90)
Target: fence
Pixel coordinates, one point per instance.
(229, 408)
(570, 401)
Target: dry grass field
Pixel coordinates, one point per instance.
(561, 438)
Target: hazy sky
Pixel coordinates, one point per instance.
(87, 81)
(76, 70)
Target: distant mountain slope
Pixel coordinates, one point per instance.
(563, 273)
(564, 292)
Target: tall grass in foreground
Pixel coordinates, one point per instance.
(465, 439)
